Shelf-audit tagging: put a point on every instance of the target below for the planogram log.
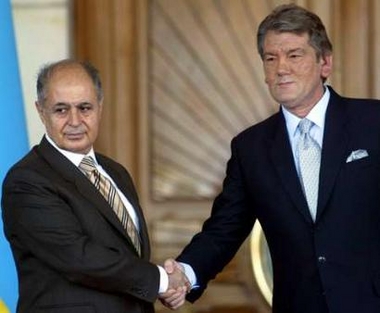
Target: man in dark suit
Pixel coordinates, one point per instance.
(324, 244)
(73, 254)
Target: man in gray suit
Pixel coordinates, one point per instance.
(72, 251)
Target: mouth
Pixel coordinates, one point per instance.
(284, 84)
(74, 136)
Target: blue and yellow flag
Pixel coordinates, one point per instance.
(13, 143)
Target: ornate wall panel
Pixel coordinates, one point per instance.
(205, 85)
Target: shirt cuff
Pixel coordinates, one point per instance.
(164, 280)
(190, 274)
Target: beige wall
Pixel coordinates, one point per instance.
(42, 29)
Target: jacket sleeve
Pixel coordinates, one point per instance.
(222, 234)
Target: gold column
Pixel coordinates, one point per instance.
(355, 52)
(105, 34)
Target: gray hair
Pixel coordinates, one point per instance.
(295, 19)
(47, 70)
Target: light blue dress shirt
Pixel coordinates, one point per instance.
(316, 115)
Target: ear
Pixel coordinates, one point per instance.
(326, 65)
(40, 111)
(100, 108)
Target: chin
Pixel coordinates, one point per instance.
(77, 148)
(285, 101)
(283, 97)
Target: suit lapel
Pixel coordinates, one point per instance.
(129, 194)
(70, 173)
(88, 190)
(335, 141)
(283, 161)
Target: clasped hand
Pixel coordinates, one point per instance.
(179, 285)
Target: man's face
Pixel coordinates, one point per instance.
(71, 112)
(293, 72)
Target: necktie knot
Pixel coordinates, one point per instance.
(305, 125)
(87, 165)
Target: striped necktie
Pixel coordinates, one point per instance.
(109, 192)
(309, 158)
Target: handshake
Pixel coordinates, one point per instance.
(179, 285)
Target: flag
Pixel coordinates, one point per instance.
(13, 143)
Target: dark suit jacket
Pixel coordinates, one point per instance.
(71, 252)
(332, 265)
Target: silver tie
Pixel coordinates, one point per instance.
(309, 158)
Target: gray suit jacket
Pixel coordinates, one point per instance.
(71, 252)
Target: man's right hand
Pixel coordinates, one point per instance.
(179, 285)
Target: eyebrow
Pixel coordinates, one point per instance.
(74, 105)
(296, 50)
(287, 52)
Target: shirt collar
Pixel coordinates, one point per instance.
(75, 158)
(316, 115)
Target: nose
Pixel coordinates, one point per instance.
(74, 117)
(282, 66)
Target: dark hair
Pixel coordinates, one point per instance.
(47, 70)
(295, 19)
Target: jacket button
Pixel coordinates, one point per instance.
(322, 259)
